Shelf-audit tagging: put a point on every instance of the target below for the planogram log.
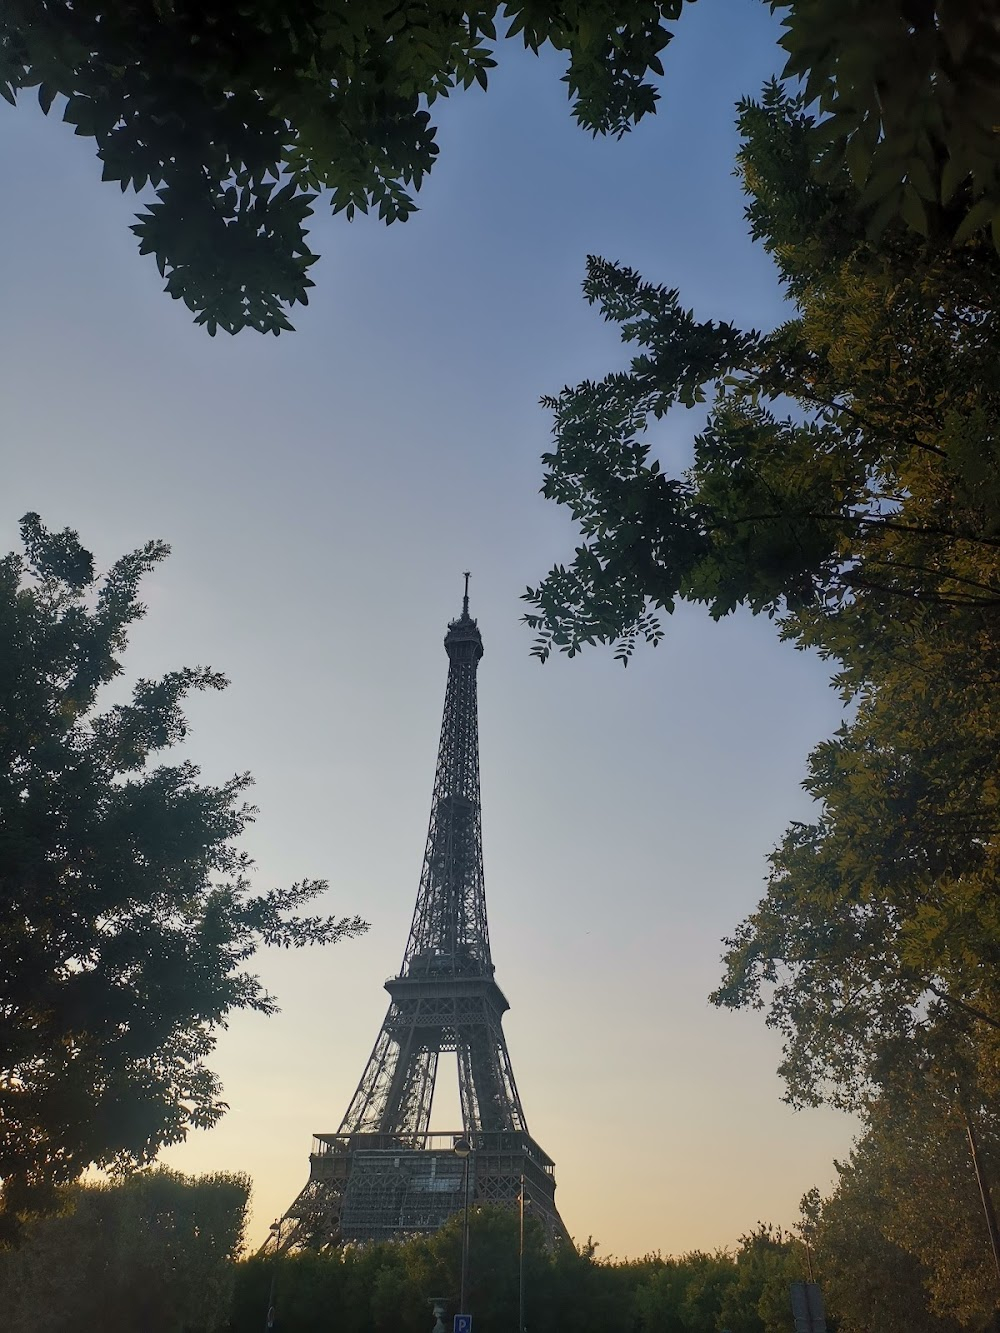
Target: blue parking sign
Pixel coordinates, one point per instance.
(463, 1323)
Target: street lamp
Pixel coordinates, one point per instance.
(462, 1148)
(520, 1261)
(275, 1230)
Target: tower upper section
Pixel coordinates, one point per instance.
(449, 935)
(463, 643)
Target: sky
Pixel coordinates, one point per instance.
(322, 493)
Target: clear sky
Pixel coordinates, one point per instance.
(322, 493)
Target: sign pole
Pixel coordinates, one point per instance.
(520, 1263)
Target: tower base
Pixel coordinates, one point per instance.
(375, 1187)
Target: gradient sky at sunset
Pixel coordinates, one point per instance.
(322, 493)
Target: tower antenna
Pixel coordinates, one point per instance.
(465, 599)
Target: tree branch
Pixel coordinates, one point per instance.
(969, 1009)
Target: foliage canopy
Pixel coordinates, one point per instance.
(154, 1254)
(859, 501)
(240, 113)
(386, 1287)
(894, 1247)
(910, 102)
(126, 916)
(845, 482)
(901, 1243)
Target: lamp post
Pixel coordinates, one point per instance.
(275, 1230)
(463, 1149)
(520, 1261)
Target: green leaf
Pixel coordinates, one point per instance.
(913, 210)
(881, 181)
(978, 216)
(883, 215)
(858, 159)
(922, 179)
(953, 174)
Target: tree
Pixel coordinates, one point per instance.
(239, 114)
(686, 1294)
(126, 916)
(152, 1254)
(388, 1286)
(759, 1301)
(869, 1283)
(867, 520)
(901, 1244)
(877, 943)
(910, 100)
(874, 494)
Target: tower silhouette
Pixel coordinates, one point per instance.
(383, 1174)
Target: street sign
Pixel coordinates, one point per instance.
(463, 1323)
(807, 1308)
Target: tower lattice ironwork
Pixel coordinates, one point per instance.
(384, 1174)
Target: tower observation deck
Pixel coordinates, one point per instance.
(384, 1175)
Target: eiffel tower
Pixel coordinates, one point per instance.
(383, 1175)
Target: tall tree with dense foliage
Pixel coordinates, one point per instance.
(875, 493)
(870, 1284)
(126, 912)
(239, 115)
(846, 482)
(902, 1244)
